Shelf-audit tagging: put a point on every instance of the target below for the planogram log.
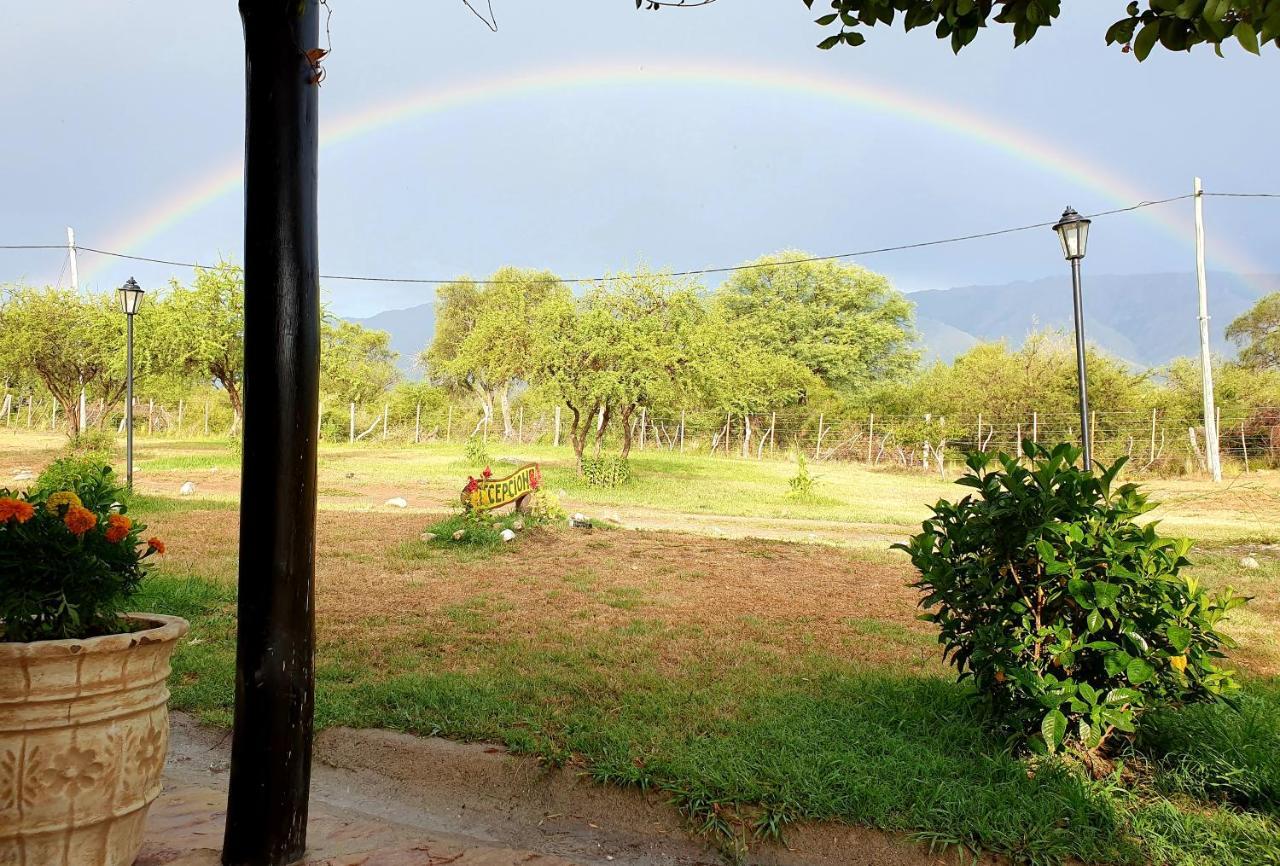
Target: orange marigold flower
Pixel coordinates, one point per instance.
(155, 544)
(80, 519)
(118, 527)
(15, 509)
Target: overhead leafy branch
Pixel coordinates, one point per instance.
(1177, 25)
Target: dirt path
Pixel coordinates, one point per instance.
(413, 796)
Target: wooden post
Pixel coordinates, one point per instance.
(1244, 448)
(520, 428)
(417, 424)
(556, 441)
(817, 451)
(151, 416)
(31, 402)
(681, 431)
(773, 432)
(871, 432)
(746, 435)
(351, 425)
(448, 425)
(206, 417)
(642, 426)
(1035, 427)
(53, 418)
(266, 822)
(181, 406)
(1093, 429)
(386, 409)
(978, 447)
(1152, 457)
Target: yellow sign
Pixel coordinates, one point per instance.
(484, 493)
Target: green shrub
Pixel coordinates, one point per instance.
(545, 507)
(608, 470)
(70, 558)
(1072, 619)
(476, 451)
(802, 482)
(97, 444)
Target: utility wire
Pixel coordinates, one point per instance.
(686, 273)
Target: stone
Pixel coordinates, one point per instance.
(428, 536)
(457, 536)
(187, 488)
(508, 535)
(518, 526)
(1248, 562)
(397, 502)
(497, 527)
(23, 475)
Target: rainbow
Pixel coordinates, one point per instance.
(1019, 144)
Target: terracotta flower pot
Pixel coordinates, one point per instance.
(84, 729)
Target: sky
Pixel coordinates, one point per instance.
(587, 137)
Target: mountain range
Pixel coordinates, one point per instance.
(1145, 319)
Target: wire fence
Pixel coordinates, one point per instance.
(1157, 441)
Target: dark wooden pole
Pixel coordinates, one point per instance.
(271, 747)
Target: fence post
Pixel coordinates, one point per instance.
(556, 442)
(1093, 427)
(181, 406)
(151, 416)
(1244, 448)
(206, 417)
(978, 446)
(871, 432)
(53, 418)
(681, 431)
(385, 409)
(520, 428)
(351, 426)
(1152, 455)
(817, 451)
(773, 432)
(642, 425)
(448, 425)
(31, 402)
(417, 424)
(320, 421)
(1035, 427)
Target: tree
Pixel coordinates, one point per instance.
(845, 324)
(485, 332)
(205, 329)
(1176, 25)
(356, 363)
(1258, 332)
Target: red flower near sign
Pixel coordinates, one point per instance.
(535, 478)
(472, 485)
(488, 473)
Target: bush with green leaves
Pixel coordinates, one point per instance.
(97, 444)
(1070, 617)
(70, 556)
(801, 483)
(476, 451)
(607, 470)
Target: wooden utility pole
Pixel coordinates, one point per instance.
(270, 778)
(1206, 361)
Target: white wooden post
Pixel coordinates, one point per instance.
(351, 426)
(520, 428)
(556, 442)
(417, 424)
(181, 406)
(1244, 448)
(681, 431)
(817, 451)
(448, 425)
(1035, 427)
(871, 432)
(31, 403)
(385, 411)
(1206, 364)
(319, 421)
(53, 418)
(642, 426)
(206, 417)
(1152, 454)
(151, 416)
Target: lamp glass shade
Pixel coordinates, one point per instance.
(1073, 233)
(130, 297)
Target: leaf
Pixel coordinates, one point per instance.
(1246, 36)
(1094, 621)
(1053, 728)
(1179, 637)
(1146, 40)
(1139, 671)
(1106, 594)
(831, 41)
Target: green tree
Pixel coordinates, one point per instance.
(485, 333)
(356, 363)
(204, 329)
(1176, 25)
(845, 324)
(1258, 333)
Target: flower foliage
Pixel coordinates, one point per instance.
(70, 558)
(1071, 618)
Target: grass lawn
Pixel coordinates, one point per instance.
(757, 682)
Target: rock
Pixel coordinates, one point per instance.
(615, 518)
(213, 469)
(496, 527)
(1248, 562)
(24, 475)
(187, 488)
(508, 535)
(561, 493)
(457, 536)
(518, 526)
(579, 521)
(428, 536)
(397, 502)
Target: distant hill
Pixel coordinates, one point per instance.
(1146, 319)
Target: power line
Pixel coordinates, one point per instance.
(685, 273)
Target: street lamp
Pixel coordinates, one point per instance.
(130, 299)
(1073, 232)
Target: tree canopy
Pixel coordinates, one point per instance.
(1176, 25)
(1257, 332)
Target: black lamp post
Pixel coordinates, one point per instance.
(130, 300)
(1073, 232)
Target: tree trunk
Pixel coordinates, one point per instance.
(578, 434)
(237, 404)
(504, 395)
(627, 433)
(602, 424)
(266, 822)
